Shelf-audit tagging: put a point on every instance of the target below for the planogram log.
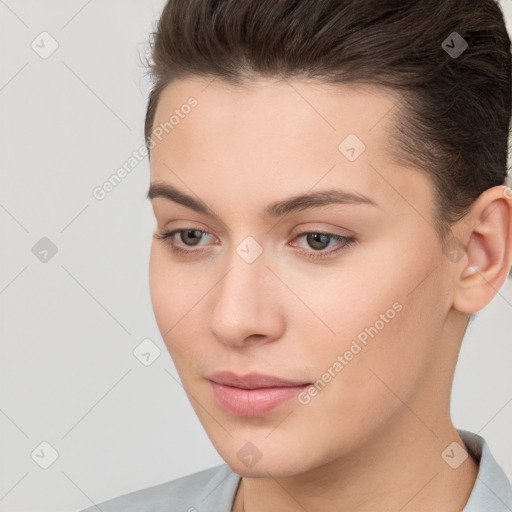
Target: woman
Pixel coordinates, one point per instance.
(329, 184)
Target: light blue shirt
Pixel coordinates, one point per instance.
(214, 489)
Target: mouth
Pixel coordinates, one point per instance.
(253, 394)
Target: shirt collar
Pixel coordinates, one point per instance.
(492, 491)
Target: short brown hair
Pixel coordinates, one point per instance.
(454, 112)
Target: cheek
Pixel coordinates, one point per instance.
(176, 296)
(171, 288)
(168, 294)
(159, 288)
(385, 324)
(382, 365)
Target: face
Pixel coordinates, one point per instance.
(329, 292)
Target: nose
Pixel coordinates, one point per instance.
(246, 305)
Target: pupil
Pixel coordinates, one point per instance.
(193, 233)
(313, 240)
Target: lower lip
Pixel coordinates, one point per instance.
(253, 402)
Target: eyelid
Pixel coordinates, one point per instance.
(312, 229)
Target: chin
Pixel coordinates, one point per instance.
(250, 462)
(264, 470)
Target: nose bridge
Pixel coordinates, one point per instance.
(245, 302)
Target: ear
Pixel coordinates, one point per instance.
(488, 245)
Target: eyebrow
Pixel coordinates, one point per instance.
(281, 208)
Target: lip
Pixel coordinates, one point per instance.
(253, 394)
(252, 380)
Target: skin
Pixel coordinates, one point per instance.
(372, 438)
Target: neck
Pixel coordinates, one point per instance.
(392, 472)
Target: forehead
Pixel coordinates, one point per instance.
(275, 136)
(291, 109)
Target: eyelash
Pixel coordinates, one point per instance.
(167, 238)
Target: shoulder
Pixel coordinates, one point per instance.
(212, 486)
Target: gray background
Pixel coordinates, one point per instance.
(69, 325)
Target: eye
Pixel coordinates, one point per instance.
(186, 235)
(316, 239)
(319, 240)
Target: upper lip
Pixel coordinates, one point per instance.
(252, 380)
